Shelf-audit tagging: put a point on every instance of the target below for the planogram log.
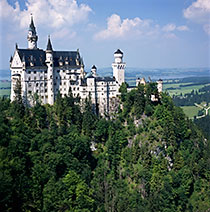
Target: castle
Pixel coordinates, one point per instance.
(49, 72)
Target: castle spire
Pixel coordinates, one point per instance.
(49, 45)
(32, 37)
(31, 26)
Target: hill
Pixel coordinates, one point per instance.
(148, 157)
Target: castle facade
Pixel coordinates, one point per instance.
(49, 72)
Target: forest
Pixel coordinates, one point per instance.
(189, 99)
(148, 157)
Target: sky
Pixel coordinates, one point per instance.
(151, 33)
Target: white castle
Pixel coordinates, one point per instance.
(48, 72)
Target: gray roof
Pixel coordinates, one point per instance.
(70, 56)
(118, 52)
(106, 79)
(93, 67)
(37, 56)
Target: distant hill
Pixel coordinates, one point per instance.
(165, 73)
(132, 73)
(5, 74)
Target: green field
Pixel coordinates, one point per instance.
(191, 111)
(178, 90)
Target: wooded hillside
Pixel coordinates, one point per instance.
(149, 157)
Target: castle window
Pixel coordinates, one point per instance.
(41, 84)
(34, 72)
(45, 84)
(64, 83)
(45, 90)
(46, 97)
(73, 89)
(29, 85)
(58, 71)
(55, 84)
(37, 91)
(34, 78)
(29, 72)
(29, 78)
(45, 71)
(37, 84)
(102, 89)
(78, 88)
(56, 77)
(41, 77)
(29, 92)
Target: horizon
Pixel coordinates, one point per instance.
(152, 35)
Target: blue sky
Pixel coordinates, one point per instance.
(151, 33)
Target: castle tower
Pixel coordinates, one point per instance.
(49, 62)
(118, 67)
(93, 71)
(160, 85)
(32, 37)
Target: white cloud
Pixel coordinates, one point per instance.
(52, 13)
(199, 12)
(136, 28)
(58, 35)
(182, 28)
(173, 27)
(169, 27)
(117, 28)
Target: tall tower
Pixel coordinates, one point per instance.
(32, 37)
(49, 62)
(118, 67)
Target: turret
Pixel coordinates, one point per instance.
(82, 74)
(50, 74)
(32, 37)
(93, 71)
(49, 51)
(160, 85)
(118, 55)
(118, 67)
